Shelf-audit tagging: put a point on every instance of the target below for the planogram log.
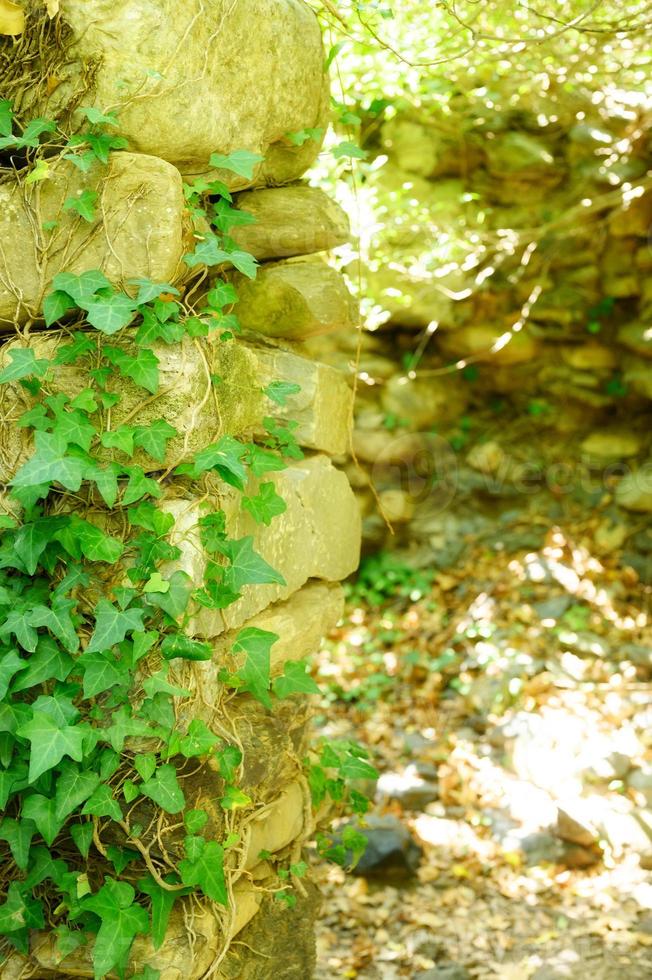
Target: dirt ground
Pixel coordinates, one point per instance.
(492, 695)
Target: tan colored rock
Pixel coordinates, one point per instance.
(300, 624)
(487, 457)
(295, 299)
(185, 955)
(188, 400)
(495, 344)
(637, 337)
(279, 825)
(200, 77)
(634, 491)
(637, 375)
(318, 536)
(425, 401)
(610, 446)
(396, 505)
(386, 448)
(276, 935)
(141, 228)
(633, 218)
(518, 153)
(590, 357)
(294, 220)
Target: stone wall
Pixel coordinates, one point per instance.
(506, 262)
(187, 80)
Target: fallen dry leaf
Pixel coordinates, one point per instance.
(12, 18)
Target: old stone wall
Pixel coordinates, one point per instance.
(185, 81)
(506, 273)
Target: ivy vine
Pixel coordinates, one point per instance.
(93, 611)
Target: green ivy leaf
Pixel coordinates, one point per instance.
(148, 290)
(110, 313)
(222, 294)
(56, 305)
(199, 740)
(33, 538)
(163, 788)
(349, 150)
(83, 204)
(50, 741)
(101, 672)
(142, 369)
(74, 785)
(247, 566)
(175, 601)
(255, 673)
(208, 251)
(262, 461)
(178, 645)
(153, 438)
(266, 505)
(162, 904)
(145, 765)
(101, 803)
(295, 680)
(18, 834)
(106, 481)
(80, 537)
(241, 162)
(280, 391)
(112, 625)
(121, 438)
(156, 583)
(207, 872)
(57, 618)
(98, 118)
(10, 665)
(122, 919)
(24, 364)
(244, 263)
(81, 288)
(225, 457)
(195, 820)
(234, 799)
(49, 662)
(82, 834)
(50, 464)
(6, 117)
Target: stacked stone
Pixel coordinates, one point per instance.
(514, 255)
(188, 80)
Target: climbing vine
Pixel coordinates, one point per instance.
(97, 612)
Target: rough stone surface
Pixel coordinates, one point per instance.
(634, 491)
(300, 622)
(295, 220)
(424, 401)
(295, 299)
(191, 79)
(391, 849)
(140, 229)
(279, 936)
(318, 536)
(188, 401)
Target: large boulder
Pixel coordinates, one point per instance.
(318, 536)
(192, 399)
(140, 228)
(295, 300)
(190, 79)
(295, 220)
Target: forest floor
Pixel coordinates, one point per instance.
(507, 703)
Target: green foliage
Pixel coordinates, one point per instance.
(93, 613)
(385, 576)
